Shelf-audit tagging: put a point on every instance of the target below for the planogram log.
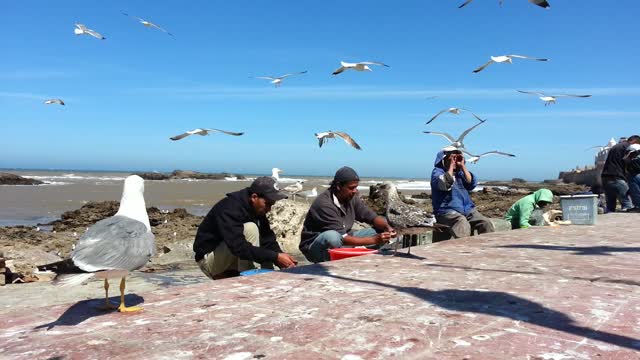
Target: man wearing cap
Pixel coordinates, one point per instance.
(451, 183)
(614, 176)
(331, 216)
(236, 233)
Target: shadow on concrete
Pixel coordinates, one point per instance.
(87, 309)
(578, 250)
(494, 303)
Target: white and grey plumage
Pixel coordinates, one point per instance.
(455, 111)
(359, 66)
(401, 215)
(506, 59)
(83, 30)
(541, 3)
(308, 194)
(147, 23)
(475, 158)
(54, 101)
(203, 132)
(294, 188)
(323, 137)
(457, 143)
(114, 246)
(277, 81)
(275, 173)
(609, 145)
(551, 99)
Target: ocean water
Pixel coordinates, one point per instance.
(63, 191)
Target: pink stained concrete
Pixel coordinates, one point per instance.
(546, 293)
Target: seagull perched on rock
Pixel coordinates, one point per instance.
(455, 111)
(308, 194)
(323, 137)
(457, 143)
(360, 66)
(507, 59)
(551, 99)
(541, 3)
(203, 132)
(277, 81)
(275, 173)
(147, 23)
(474, 158)
(83, 30)
(114, 246)
(54, 101)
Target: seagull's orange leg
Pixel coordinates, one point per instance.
(122, 307)
(107, 305)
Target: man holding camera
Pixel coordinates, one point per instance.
(451, 183)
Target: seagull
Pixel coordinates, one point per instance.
(116, 245)
(609, 145)
(506, 58)
(147, 23)
(83, 30)
(294, 188)
(54, 101)
(360, 66)
(203, 132)
(551, 99)
(474, 158)
(457, 143)
(541, 3)
(455, 111)
(275, 173)
(277, 81)
(324, 136)
(309, 193)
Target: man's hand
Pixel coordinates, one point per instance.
(285, 261)
(383, 238)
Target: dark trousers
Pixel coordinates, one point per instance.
(461, 226)
(616, 190)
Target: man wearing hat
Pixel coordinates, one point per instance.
(236, 233)
(331, 216)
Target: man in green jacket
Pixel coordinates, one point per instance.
(528, 210)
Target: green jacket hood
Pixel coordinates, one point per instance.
(543, 195)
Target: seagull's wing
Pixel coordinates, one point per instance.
(436, 115)
(59, 101)
(447, 136)
(181, 136)
(339, 70)
(541, 3)
(160, 28)
(474, 115)
(468, 153)
(95, 34)
(81, 27)
(373, 63)
(292, 74)
(527, 57)
(531, 92)
(465, 4)
(265, 77)
(594, 147)
(571, 95)
(348, 139)
(462, 136)
(496, 153)
(321, 140)
(226, 132)
(483, 66)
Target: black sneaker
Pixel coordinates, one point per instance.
(634, 210)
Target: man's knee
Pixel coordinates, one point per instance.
(333, 239)
(485, 226)
(251, 233)
(461, 228)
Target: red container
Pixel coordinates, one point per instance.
(343, 253)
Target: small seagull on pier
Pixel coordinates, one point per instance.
(203, 132)
(277, 81)
(309, 194)
(147, 23)
(506, 59)
(457, 143)
(541, 3)
(83, 30)
(360, 66)
(475, 158)
(54, 101)
(455, 111)
(551, 99)
(323, 137)
(293, 189)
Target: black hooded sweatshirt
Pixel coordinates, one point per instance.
(614, 166)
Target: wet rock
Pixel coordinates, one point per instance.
(152, 176)
(185, 174)
(12, 179)
(286, 218)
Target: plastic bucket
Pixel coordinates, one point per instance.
(255, 272)
(580, 209)
(343, 253)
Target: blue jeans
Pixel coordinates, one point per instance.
(330, 239)
(634, 190)
(617, 190)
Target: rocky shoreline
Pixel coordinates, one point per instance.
(12, 179)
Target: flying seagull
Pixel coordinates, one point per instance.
(147, 23)
(541, 3)
(277, 81)
(114, 246)
(474, 158)
(457, 143)
(54, 101)
(551, 99)
(609, 145)
(455, 111)
(203, 132)
(360, 66)
(506, 58)
(323, 137)
(83, 30)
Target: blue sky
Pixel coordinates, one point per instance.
(128, 94)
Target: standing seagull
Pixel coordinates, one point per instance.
(83, 30)
(457, 143)
(551, 99)
(455, 111)
(203, 132)
(541, 3)
(277, 81)
(54, 101)
(323, 137)
(275, 173)
(360, 66)
(507, 59)
(474, 158)
(114, 246)
(147, 23)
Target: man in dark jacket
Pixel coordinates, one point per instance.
(451, 183)
(614, 177)
(236, 233)
(632, 160)
(331, 216)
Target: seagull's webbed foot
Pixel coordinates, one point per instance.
(123, 307)
(108, 305)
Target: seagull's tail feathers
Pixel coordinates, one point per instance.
(78, 31)
(72, 279)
